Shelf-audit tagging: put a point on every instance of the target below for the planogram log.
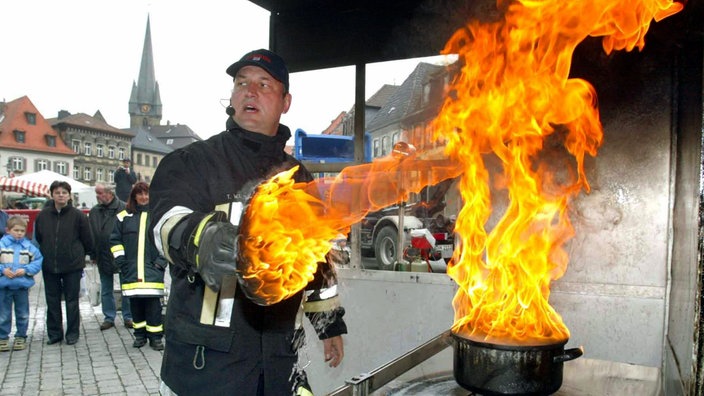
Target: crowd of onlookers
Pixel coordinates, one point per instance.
(63, 236)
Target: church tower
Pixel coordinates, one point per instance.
(145, 101)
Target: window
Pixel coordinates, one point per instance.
(99, 150)
(139, 159)
(377, 152)
(111, 177)
(395, 138)
(51, 141)
(428, 135)
(61, 167)
(120, 153)
(88, 147)
(19, 136)
(99, 174)
(17, 164)
(76, 172)
(31, 118)
(111, 152)
(76, 146)
(169, 142)
(87, 175)
(426, 93)
(385, 147)
(41, 165)
(154, 161)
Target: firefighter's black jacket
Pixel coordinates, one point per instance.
(141, 266)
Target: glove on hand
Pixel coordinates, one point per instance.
(217, 252)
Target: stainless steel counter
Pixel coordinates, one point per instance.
(427, 370)
(581, 377)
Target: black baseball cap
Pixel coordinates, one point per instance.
(265, 59)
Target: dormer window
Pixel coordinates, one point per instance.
(50, 140)
(19, 136)
(31, 118)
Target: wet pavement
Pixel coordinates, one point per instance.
(101, 363)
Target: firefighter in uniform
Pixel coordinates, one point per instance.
(141, 268)
(217, 340)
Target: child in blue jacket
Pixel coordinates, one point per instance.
(20, 260)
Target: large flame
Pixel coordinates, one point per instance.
(288, 227)
(511, 99)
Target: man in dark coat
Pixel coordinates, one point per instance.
(198, 194)
(125, 178)
(102, 219)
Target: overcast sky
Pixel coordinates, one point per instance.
(83, 56)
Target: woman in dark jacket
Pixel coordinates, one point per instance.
(141, 268)
(64, 238)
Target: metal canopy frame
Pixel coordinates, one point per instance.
(319, 34)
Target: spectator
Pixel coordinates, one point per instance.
(3, 221)
(64, 238)
(102, 219)
(20, 261)
(125, 178)
(141, 266)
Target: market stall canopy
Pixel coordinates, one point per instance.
(15, 184)
(37, 184)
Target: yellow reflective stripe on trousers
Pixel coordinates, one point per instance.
(155, 329)
(143, 285)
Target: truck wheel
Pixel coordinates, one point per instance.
(385, 247)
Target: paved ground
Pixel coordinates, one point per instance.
(101, 363)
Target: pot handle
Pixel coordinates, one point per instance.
(569, 354)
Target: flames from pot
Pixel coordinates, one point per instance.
(513, 101)
(511, 98)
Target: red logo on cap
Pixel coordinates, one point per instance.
(258, 57)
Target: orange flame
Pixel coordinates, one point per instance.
(280, 242)
(287, 230)
(513, 98)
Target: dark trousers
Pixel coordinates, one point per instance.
(67, 284)
(146, 314)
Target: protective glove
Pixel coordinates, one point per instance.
(216, 252)
(206, 244)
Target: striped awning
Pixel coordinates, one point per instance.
(24, 186)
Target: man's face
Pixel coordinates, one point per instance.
(258, 100)
(102, 195)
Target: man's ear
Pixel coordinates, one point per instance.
(287, 102)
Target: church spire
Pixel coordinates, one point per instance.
(145, 101)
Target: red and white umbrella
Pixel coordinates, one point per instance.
(24, 186)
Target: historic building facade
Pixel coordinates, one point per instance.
(99, 147)
(28, 143)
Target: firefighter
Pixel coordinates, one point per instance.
(216, 338)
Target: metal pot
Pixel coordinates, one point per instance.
(492, 369)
